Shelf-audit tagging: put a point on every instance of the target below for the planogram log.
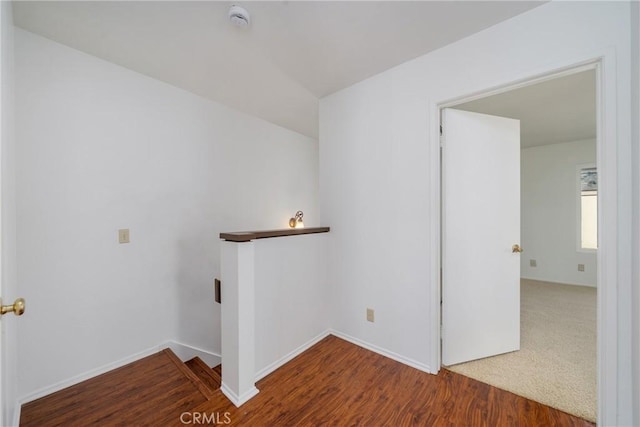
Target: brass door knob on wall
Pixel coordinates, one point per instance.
(516, 249)
(17, 307)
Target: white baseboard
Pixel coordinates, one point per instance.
(183, 351)
(559, 283)
(234, 398)
(186, 352)
(16, 415)
(284, 359)
(44, 391)
(384, 352)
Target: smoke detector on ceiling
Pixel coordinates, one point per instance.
(239, 16)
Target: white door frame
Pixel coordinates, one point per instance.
(607, 260)
(2, 201)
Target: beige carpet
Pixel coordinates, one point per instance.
(556, 364)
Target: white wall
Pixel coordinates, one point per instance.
(102, 148)
(376, 179)
(292, 296)
(8, 228)
(635, 117)
(550, 214)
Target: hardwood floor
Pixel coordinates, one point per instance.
(337, 383)
(150, 391)
(210, 377)
(334, 383)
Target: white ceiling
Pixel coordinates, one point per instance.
(554, 111)
(292, 54)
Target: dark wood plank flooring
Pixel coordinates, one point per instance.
(150, 391)
(334, 383)
(211, 378)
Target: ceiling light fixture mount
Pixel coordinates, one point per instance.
(239, 16)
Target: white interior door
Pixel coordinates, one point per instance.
(481, 223)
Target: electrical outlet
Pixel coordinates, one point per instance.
(370, 315)
(123, 235)
(580, 267)
(533, 263)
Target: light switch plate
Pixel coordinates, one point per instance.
(370, 315)
(123, 235)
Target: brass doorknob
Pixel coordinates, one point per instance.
(17, 307)
(516, 249)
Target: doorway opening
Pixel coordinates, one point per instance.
(556, 363)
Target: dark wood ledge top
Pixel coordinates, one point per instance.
(247, 236)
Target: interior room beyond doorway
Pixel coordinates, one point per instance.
(556, 364)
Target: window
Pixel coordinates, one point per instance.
(588, 177)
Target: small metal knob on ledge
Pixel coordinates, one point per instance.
(17, 307)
